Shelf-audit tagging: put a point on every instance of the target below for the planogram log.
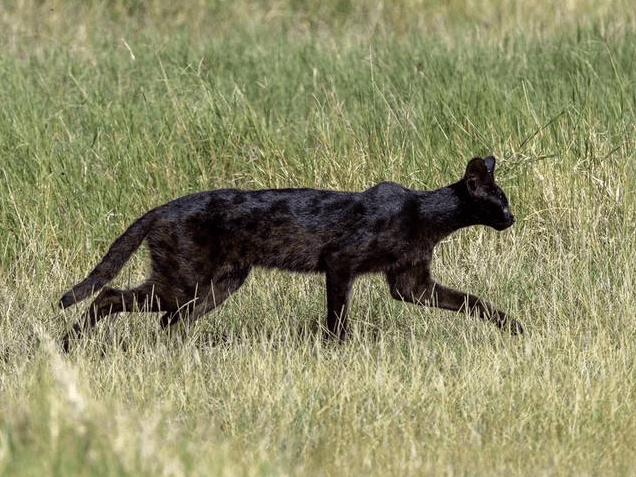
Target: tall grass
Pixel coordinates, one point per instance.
(110, 108)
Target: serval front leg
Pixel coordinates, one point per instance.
(338, 282)
(415, 285)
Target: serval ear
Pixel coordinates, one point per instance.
(490, 162)
(476, 174)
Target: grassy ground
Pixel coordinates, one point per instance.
(109, 108)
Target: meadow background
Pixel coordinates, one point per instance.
(108, 108)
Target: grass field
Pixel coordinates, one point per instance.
(108, 108)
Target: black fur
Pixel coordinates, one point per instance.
(204, 245)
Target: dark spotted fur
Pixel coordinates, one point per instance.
(203, 246)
